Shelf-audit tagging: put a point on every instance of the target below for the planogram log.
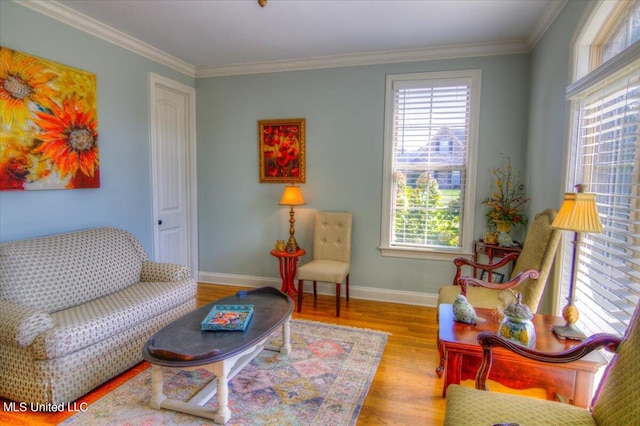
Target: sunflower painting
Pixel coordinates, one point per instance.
(48, 125)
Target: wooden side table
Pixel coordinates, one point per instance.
(288, 269)
(463, 354)
(491, 251)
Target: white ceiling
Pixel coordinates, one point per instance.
(211, 36)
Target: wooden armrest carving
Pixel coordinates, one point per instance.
(488, 340)
(462, 261)
(465, 281)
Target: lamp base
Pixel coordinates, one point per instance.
(568, 332)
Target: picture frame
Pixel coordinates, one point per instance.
(282, 150)
(496, 277)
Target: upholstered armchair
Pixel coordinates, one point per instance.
(538, 252)
(528, 277)
(616, 402)
(331, 254)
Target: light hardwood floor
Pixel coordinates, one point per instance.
(405, 389)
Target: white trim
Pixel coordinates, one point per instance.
(89, 25)
(474, 78)
(355, 292)
(550, 14)
(409, 253)
(156, 80)
(609, 69)
(593, 19)
(374, 58)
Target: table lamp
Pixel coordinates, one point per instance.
(292, 196)
(578, 214)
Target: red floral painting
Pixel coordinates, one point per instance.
(282, 150)
(48, 124)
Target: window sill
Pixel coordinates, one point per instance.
(427, 254)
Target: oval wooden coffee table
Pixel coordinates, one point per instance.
(183, 345)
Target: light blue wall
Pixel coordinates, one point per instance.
(239, 218)
(124, 197)
(550, 75)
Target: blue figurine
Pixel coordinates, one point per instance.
(464, 312)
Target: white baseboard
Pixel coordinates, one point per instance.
(356, 292)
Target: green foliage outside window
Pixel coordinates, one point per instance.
(422, 217)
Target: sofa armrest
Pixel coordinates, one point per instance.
(163, 272)
(20, 324)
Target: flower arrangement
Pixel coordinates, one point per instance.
(507, 199)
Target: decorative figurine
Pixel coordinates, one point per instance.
(464, 312)
(517, 325)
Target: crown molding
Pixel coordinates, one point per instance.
(89, 25)
(383, 57)
(550, 14)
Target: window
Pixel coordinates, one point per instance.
(429, 157)
(604, 155)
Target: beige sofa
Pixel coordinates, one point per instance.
(76, 309)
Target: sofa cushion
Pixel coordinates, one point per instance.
(60, 271)
(84, 325)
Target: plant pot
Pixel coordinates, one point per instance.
(502, 226)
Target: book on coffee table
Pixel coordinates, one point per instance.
(227, 317)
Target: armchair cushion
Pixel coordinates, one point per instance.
(467, 406)
(479, 297)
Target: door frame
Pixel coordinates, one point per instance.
(158, 81)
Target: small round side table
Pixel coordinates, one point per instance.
(288, 269)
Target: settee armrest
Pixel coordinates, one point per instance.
(488, 340)
(20, 324)
(163, 272)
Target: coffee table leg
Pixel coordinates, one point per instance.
(157, 395)
(221, 370)
(286, 338)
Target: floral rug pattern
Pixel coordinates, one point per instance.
(324, 381)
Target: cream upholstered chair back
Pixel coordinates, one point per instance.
(618, 397)
(538, 252)
(331, 255)
(332, 236)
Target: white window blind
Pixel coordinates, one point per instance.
(431, 133)
(605, 156)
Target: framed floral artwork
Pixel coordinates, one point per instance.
(281, 149)
(48, 124)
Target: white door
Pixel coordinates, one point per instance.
(173, 172)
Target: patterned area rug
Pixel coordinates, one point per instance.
(324, 381)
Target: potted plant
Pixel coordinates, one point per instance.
(505, 203)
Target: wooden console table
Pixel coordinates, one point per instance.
(463, 354)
